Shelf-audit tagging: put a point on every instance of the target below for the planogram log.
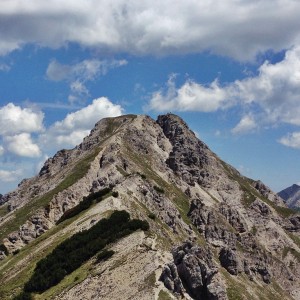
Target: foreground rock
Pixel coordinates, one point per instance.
(194, 272)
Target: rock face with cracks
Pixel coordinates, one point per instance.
(194, 272)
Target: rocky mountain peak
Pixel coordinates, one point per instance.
(212, 232)
(173, 125)
(291, 195)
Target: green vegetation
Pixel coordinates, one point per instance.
(250, 193)
(23, 214)
(151, 216)
(142, 175)
(80, 247)
(254, 230)
(284, 212)
(68, 282)
(4, 249)
(236, 290)
(115, 194)
(159, 189)
(14, 274)
(295, 238)
(150, 280)
(180, 199)
(163, 295)
(3, 210)
(293, 251)
(86, 203)
(23, 296)
(105, 254)
(122, 171)
(234, 294)
(114, 123)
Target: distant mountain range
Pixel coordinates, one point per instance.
(291, 196)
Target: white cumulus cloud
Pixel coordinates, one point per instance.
(191, 96)
(22, 145)
(240, 29)
(10, 176)
(246, 124)
(71, 130)
(14, 119)
(291, 140)
(1, 150)
(275, 91)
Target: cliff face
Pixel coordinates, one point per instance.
(214, 234)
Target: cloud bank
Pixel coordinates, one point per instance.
(14, 119)
(239, 29)
(275, 92)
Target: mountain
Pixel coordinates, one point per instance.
(142, 209)
(291, 196)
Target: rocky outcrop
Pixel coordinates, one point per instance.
(193, 271)
(292, 224)
(189, 157)
(211, 224)
(267, 193)
(261, 208)
(230, 260)
(233, 217)
(235, 263)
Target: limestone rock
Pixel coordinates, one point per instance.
(194, 267)
(230, 261)
(267, 193)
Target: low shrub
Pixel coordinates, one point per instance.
(159, 189)
(16, 252)
(115, 194)
(23, 296)
(74, 251)
(4, 249)
(86, 203)
(152, 216)
(142, 175)
(105, 254)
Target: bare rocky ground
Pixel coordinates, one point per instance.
(214, 234)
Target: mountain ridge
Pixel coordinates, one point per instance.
(203, 212)
(291, 196)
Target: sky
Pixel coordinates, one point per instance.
(230, 69)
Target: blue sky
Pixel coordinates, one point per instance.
(230, 69)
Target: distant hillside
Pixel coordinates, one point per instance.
(291, 196)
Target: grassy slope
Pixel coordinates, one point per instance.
(17, 269)
(25, 212)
